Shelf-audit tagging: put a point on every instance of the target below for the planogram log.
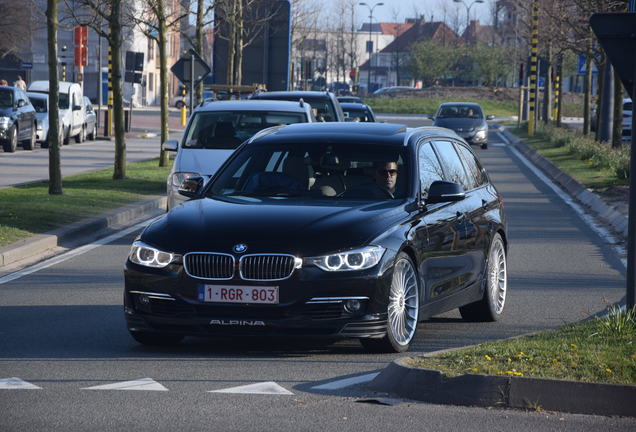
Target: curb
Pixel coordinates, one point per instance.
(600, 208)
(508, 392)
(84, 230)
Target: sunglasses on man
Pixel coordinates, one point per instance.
(384, 172)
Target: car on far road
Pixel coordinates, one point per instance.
(628, 112)
(393, 90)
(349, 99)
(216, 129)
(334, 230)
(90, 121)
(325, 106)
(467, 119)
(40, 102)
(357, 112)
(17, 120)
(177, 101)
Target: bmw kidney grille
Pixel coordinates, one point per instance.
(218, 266)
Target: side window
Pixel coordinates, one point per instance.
(472, 165)
(453, 166)
(430, 168)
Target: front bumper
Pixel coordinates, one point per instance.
(312, 303)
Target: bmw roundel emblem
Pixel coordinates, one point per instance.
(240, 248)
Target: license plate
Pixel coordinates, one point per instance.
(239, 294)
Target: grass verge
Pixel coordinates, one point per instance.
(419, 105)
(596, 165)
(29, 209)
(599, 351)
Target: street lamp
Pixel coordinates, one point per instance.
(370, 43)
(468, 9)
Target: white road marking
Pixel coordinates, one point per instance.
(269, 387)
(497, 145)
(603, 233)
(334, 385)
(17, 384)
(147, 384)
(73, 253)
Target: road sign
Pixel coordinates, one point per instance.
(616, 34)
(183, 69)
(26, 65)
(134, 61)
(581, 66)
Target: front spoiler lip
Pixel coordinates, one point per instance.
(364, 326)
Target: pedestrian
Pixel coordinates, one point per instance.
(19, 83)
(3, 82)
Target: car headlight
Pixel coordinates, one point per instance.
(145, 255)
(356, 259)
(179, 177)
(5, 121)
(481, 134)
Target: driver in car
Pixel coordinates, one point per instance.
(385, 176)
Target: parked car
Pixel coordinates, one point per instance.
(349, 99)
(325, 106)
(72, 110)
(90, 121)
(40, 102)
(324, 229)
(628, 112)
(177, 100)
(357, 112)
(17, 120)
(465, 118)
(215, 130)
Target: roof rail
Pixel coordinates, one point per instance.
(302, 103)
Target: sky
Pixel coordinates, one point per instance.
(410, 8)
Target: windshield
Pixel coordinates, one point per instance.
(460, 111)
(39, 104)
(228, 129)
(316, 171)
(6, 98)
(63, 104)
(357, 115)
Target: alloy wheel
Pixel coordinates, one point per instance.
(497, 276)
(403, 302)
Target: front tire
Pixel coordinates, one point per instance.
(93, 134)
(491, 306)
(402, 309)
(484, 146)
(30, 143)
(11, 144)
(81, 136)
(156, 339)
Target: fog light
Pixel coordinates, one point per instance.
(144, 300)
(352, 306)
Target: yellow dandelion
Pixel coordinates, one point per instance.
(487, 357)
(608, 370)
(555, 361)
(518, 374)
(573, 346)
(475, 370)
(573, 364)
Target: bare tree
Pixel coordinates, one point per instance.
(12, 34)
(155, 20)
(94, 13)
(202, 11)
(55, 172)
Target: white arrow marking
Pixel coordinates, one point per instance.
(140, 384)
(346, 382)
(259, 388)
(17, 384)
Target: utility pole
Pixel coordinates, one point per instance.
(534, 48)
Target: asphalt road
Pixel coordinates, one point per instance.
(62, 329)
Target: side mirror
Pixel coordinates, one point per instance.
(21, 103)
(490, 117)
(191, 187)
(77, 107)
(444, 191)
(171, 145)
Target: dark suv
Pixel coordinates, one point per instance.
(325, 106)
(17, 119)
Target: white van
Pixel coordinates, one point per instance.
(72, 109)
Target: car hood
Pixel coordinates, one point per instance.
(304, 229)
(202, 161)
(460, 123)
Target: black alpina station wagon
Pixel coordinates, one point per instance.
(324, 229)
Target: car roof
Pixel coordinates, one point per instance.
(254, 105)
(37, 95)
(353, 132)
(292, 94)
(7, 87)
(472, 104)
(43, 86)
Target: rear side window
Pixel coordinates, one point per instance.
(453, 167)
(473, 168)
(429, 167)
